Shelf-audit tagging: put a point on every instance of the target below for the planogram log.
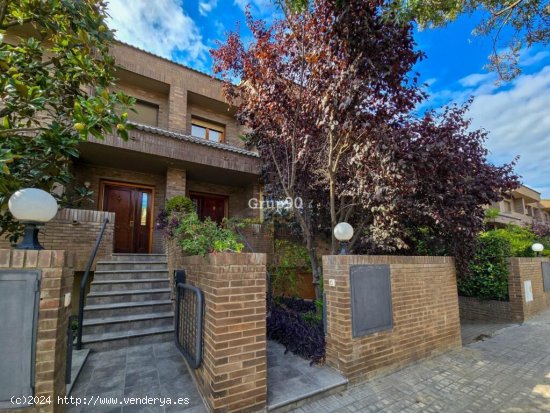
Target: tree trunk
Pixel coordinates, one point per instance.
(332, 201)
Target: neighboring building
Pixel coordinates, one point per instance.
(185, 142)
(523, 207)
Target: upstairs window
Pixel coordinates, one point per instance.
(207, 130)
(145, 113)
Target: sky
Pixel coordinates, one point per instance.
(516, 114)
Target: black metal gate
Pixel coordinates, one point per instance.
(189, 320)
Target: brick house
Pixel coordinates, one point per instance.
(522, 207)
(185, 142)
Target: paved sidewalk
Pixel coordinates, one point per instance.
(509, 373)
(475, 331)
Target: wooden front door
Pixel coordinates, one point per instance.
(210, 206)
(132, 206)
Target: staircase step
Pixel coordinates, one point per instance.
(138, 257)
(126, 308)
(111, 275)
(120, 339)
(130, 265)
(122, 296)
(133, 284)
(127, 322)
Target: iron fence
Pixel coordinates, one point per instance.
(189, 322)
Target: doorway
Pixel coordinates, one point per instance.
(210, 206)
(133, 206)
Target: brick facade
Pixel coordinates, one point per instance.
(516, 309)
(233, 374)
(77, 230)
(425, 314)
(51, 345)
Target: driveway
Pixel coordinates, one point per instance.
(509, 372)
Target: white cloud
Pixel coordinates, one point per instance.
(476, 79)
(206, 6)
(161, 27)
(517, 118)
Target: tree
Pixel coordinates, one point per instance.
(55, 76)
(328, 96)
(525, 22)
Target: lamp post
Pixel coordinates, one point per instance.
(343, 232)
(537, 248)
(33, 207)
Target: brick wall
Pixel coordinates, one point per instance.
(490, 311)
(521, 270)
(233, 374)
(176, 182)
(51, 345)
(425, 314)
(77, 230)
(516, 309)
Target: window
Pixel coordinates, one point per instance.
(206, 130)
(507, 206)
(145, 113)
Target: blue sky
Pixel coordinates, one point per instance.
(516, 114)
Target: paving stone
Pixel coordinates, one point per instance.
(498, 374)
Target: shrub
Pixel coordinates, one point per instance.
(488, 278)
(179, 203)
(196, 237)
(300, 331)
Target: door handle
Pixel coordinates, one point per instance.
(131, 224)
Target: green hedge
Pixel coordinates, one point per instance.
(488, 278)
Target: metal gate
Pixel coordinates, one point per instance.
(189, 320)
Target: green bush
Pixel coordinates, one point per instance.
(520, 239)
(488, 278)
(179, 203)
(197, 237)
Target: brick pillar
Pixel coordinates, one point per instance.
(521, 270)
(177, 118)
(176, 182)
(51, 346)
(233, 374)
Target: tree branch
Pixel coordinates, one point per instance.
(507, 8)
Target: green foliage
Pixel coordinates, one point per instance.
(491, 213)
(197, 237)
(488, 276)
(179, 203)
(520, 239)
(53, 54)
(290, 259)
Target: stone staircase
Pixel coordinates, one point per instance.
(128, 303)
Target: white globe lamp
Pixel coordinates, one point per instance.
(33, 207)
(537, 248)
(343, 232)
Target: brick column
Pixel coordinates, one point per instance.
(51, 346)
(521, 270)
(176, 182)
(233, 374)
(177, 118)
(424, 312)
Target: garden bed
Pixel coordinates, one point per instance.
(298, 325)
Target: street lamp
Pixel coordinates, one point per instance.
(343, 232)
(33, 207)
(537, 248)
